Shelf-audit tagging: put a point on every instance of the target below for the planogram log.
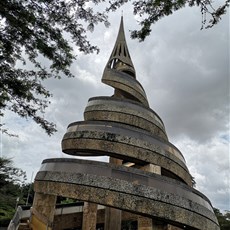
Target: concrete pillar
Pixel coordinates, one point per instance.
(115, 161)
(43, 211)
(152, 168)
(112, 215)
(145, 223)
(89, 221)
(112, 219)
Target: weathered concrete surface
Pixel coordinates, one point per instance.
(129, 202)
(126, 112)
(98, 138)
(183, 206)
(152, 168)
(112, 219)
(74, 220)
(145, 223)
(89, 220)
(123, 82)
(112, 215)
(43, 210)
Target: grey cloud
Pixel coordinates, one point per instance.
(188, 79)
(209, 165)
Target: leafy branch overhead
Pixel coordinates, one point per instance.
(150, 11)
(34, 30)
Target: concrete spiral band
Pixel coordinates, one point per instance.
(128, 189)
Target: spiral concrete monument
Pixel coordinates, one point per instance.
(146, 179)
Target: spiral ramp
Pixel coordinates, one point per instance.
(147, 175)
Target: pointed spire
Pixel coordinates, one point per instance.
(120, 58)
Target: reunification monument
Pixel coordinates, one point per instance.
(146, 180)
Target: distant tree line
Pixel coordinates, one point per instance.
(223, 219)
(13, 190)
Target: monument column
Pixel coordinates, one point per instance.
(89, 221)
(43, 211)
(145, 223)
(112, 215)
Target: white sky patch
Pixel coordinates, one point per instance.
(107, 36)
(87, 77)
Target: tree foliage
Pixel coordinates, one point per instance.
(10, 174)
(31, 30)
(13, 190)
(150, 11)
(35, 29)
(223, 219)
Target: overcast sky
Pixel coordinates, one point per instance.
(185, 73)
